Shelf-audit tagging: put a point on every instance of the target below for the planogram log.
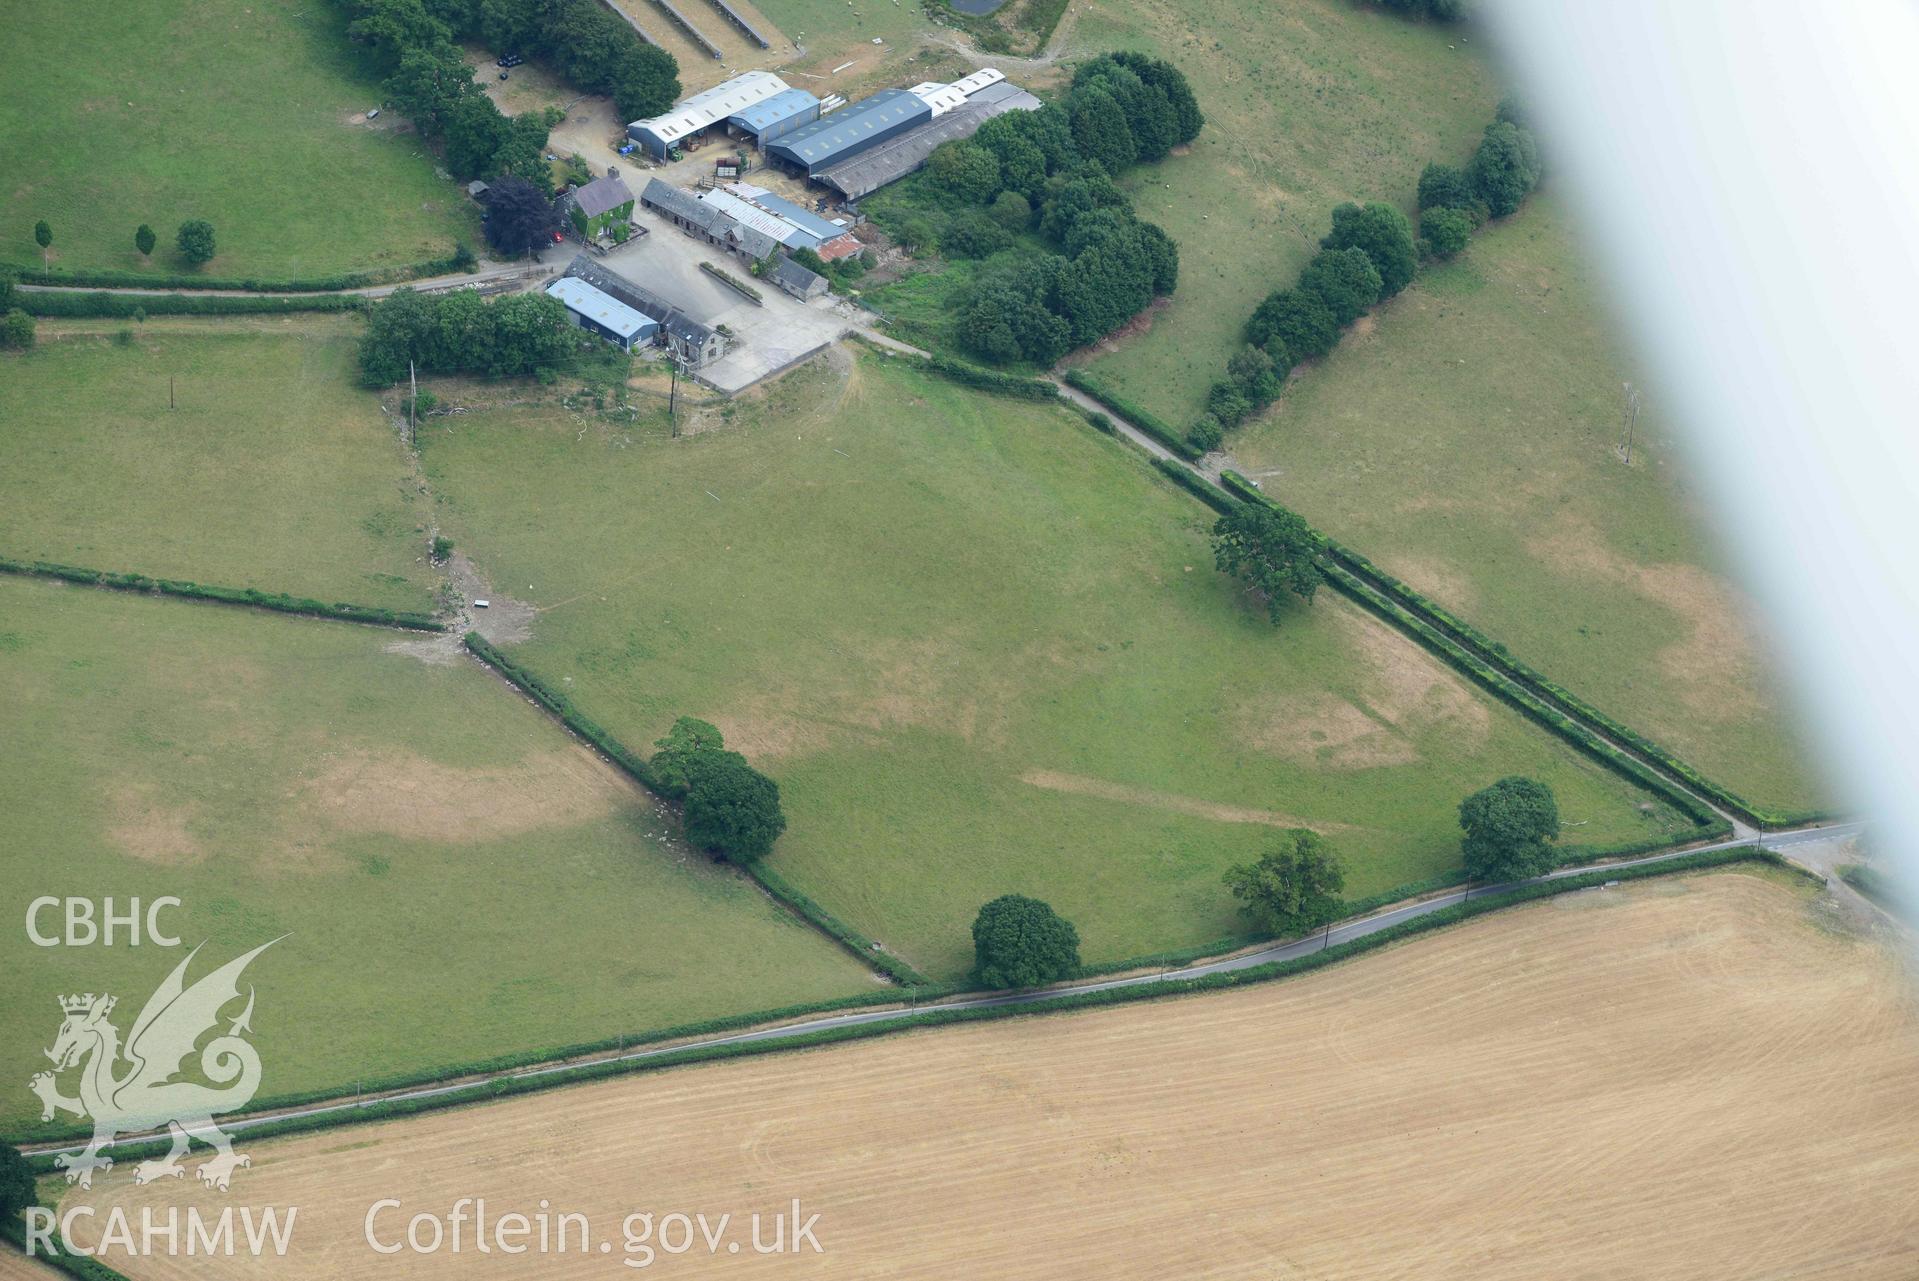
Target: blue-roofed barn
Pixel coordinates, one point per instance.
(851, 130)
(776, 117)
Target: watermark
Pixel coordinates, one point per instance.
(144, 1082)
(467, 1227)
(171, 1231)
(76, 922)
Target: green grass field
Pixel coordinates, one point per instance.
(275, 471)
(982, 650)
(1308, 103)
(239, 113)
(1467, 442)
(458, 879)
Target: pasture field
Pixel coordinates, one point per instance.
(983, 651)
(456, 877)
(248, 113)
(1467, 440)
(1676, 1079)
(1308, 103)
(275, 471)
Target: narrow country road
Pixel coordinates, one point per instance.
(493, 271)
(1343, 933)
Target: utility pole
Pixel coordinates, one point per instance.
(673, 395)
(169, 391)
(412, 403)
(1632, 418)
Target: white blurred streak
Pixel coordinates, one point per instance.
(1750, 174)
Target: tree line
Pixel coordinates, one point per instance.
(461, 332)
(1293, 888)
(1370, 254)
(1048, 174)
(411, 45)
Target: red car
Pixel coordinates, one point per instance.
(558, 237)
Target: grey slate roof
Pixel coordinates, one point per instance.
(893, 159)
(684, 205)
(602, 195)
(796, 279)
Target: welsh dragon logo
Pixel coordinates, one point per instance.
(145, 1094)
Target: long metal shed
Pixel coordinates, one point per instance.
(739, 20)
(851, 130)
(777, 116)
(867, 171)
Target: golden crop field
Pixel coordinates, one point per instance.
(1691, 1078)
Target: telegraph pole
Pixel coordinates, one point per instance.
(673, 395)
(1632, 418)
(412, 403)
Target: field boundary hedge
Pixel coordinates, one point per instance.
(777, 886)
(253, 598)
(299, 285)
(74, 1265)
(1144, 419)
(966, 375)
(938, 1016)
(102, 303)
(1491, 652)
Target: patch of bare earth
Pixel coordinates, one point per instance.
(404, 795)
(1080, 785)
(152, 830)
(1403, 693)
(1621, 1084)
(1717, 667)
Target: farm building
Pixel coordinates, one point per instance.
(603, 207)
(850, 130)
(688, 341)
(707, 221)
(599, 312)
(803, 283)
(871, 168)
(704, 110)
(828, 239)
(778, 116)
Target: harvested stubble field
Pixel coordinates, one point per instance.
(1688, 1079)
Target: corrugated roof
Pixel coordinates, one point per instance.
(601, 308)
(713, 105)
(942, 98)
(970, 85)
(893, 159)
(822, 228)
(851, 126)
(760, 220)
(751, 241)
(644, 301)
(781, 106)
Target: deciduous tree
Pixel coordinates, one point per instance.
(731, 809)
(195, 241)
(1446, 231)
(519, 218)
(1509, 828)
(1383, 232)
(144, 240)
(1293, 887)
(1270, 549)
(1505, 168)
(1022, 942)
(1345, 280)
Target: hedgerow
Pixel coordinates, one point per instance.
(250, 597)
(125, 305)
(643, 773)
(1141, 418)
(308, 284)
(937, 1015)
